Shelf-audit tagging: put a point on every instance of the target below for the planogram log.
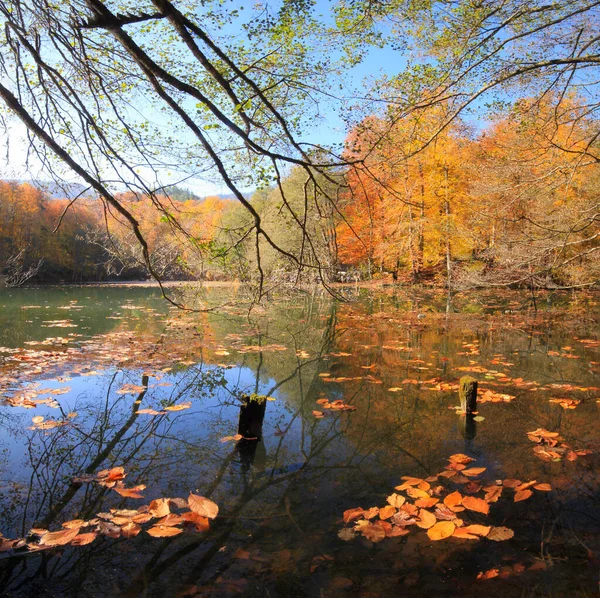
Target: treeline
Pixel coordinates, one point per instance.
(517, 203)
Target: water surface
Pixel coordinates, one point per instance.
(90, 358)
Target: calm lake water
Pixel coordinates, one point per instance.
(89, 377)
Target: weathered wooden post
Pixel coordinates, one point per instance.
(250, 448)
(252, 415)
(467, 392)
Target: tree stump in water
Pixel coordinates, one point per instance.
(252, 415)
(467, 392)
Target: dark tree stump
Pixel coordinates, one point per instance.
(467, 393)
(252, 415)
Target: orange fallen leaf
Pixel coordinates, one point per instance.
(426, 519)
(543, 487)
(83, 539)
(386, 512)
(476, 504)
(522, 495)
(160, 531)
(453, 499)
(352, 514)
(441, 530)
(203, 506)
(490, 574)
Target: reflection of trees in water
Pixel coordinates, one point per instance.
(283, 490)
(110, 432)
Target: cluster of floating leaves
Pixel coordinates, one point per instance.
(428, 504)
(550, 447)
(337, 405)
(195, 513)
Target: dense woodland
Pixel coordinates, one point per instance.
(474, 163)
(505, 205)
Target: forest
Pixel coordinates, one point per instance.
(512, 204)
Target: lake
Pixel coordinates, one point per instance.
(326, 433)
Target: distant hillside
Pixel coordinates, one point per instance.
(72, 190)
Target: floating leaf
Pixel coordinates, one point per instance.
(83, 539)
(499, 534)
(374, 532)
(476, 504)
(159, 507)
(346, 534)
(386, 512)
(473, 471)
(441, 530)
(396, 500)
(543, 487)
(59, 538)
(164, 532)
(203, 506)
(490, 574)
(199, 522)
(522, 495)
(426, 519)
(352, 514)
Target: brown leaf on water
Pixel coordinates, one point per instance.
(142, 518)
(371, 513)
(170, 520)
(346, 534)
(417, 493)
(396, 500)
(318, 414)
(179, 407)
(426, 503)
(511, 483)
(74, 524)
(453, 499)
(200, 523)
(490, 574)
(148, 412)
(159, 531)
(441, 530)
(352, 514)
(386, 512)
(443, 513)
(476, 504)
(408, 482)
(59, 538)
(203, 506)
(159, 507)
(233, 438)
(110, 475)
(478, 530)
(133, 492)
(499, 534)
(109, 529)
(522, 495)
(426, 519)
(543, 487)
(525, 485)
(397, 531)
(38, 419)
(130, 529)
(463, 534)
(83, 539)
(473, 471)
(493, 493)
(179, 503)
(374, 532)
(460, 458)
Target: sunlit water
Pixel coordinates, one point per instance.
(282, 498)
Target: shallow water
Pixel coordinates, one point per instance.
(281, 498)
